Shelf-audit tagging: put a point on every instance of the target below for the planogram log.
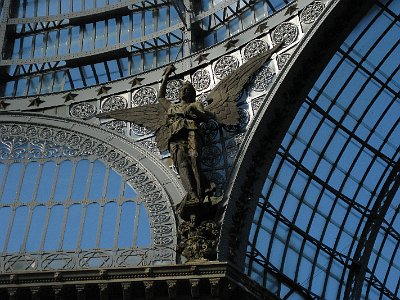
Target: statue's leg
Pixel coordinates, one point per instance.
(185, 172)
(197, 176)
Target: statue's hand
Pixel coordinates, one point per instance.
(168, 70)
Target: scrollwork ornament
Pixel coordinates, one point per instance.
(61, 136)
(161, 229)
(74, 140)
(114, 103)
(16, 130)
(311, 12)
(225, 65)
(263, 79)
(286, 33)
(83, 111)
(100, 150)
(162, 241)
(254, 47)
(46, 133)
(32, 131)
(201, 80)
(143, 96)
(282, 59)
(172, 92)
(3, 129)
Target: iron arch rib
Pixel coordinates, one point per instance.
(359, 267)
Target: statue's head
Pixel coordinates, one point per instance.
(187, 93)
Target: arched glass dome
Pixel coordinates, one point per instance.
(327, 220)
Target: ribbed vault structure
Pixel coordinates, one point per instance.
(326, 221)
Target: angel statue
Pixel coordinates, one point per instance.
(176, 126)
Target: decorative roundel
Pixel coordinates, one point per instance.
(311, 12)
(113, 103)
(210, 130)
(143, 96)
(211, 155)
(225, 65)
(172, 91)
(263, 79)
(286, 33)
(139, 130)
(254, 47)
(83, 110)
(116, 125)
(201, 80)
(244, 119)
(282, 59)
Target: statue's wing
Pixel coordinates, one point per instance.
(222, 99)
(151, 116)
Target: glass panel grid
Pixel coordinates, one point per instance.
(328, 173)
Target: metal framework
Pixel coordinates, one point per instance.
(327, 208)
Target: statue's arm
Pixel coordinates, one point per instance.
(163, 88)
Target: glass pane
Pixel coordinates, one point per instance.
(127, 224)
(63, 181)
(144, 235)
(81, 174)
(113, 185)
(97, 181)
(36, 228)
(18, 229)
(72, 227)
(5, 215)
(129, 191)
(12, 182)
(29, 182)
(90, 226)
(54, 228)
(46, 181)
(108, 225)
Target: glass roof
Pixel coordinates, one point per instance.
(57, 45)
(327, 220)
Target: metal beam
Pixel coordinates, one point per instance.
(359, 269)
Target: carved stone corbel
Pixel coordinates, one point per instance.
(171, 289)
(126, 290)
(57, 290)
(12, 293)
(149, 289)
(214, 286)
(103, 290)
(80, 291)
(194, 288)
